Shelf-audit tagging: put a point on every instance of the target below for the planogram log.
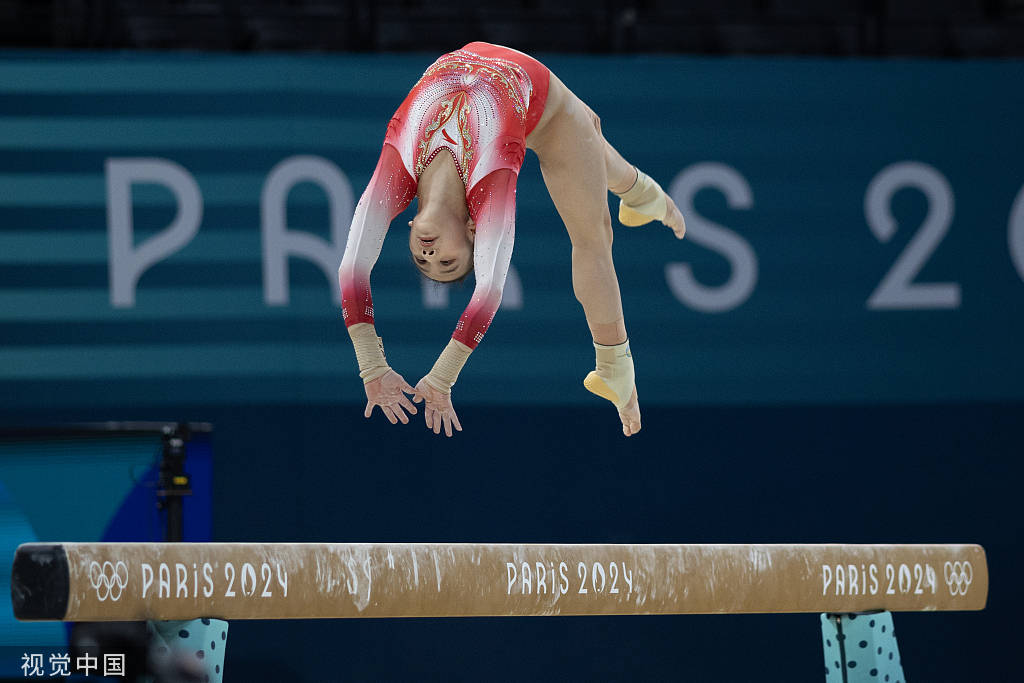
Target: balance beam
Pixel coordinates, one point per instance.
(172, 581)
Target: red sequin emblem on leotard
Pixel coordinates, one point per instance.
(464, 104)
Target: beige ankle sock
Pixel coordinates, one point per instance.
(642, 203)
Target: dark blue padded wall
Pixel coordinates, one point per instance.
(853, 474)
(862, 474)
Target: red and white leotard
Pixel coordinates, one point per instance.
(478, 104)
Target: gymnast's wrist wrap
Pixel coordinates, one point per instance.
(369, 351)
(446, 370)
(613, 379)
(643, 202)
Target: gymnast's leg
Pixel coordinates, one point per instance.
(572, 159)
(642, 199)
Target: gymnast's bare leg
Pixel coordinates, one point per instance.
(579, 168)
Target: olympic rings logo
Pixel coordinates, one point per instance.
(958, 576)
(108, 579)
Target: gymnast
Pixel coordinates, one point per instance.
(483, 106)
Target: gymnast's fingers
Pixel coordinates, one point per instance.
(389, 415)
(437, 422)
(369, 409)
(455, 421)
(404, 402)
(447, 424)
(396, 408)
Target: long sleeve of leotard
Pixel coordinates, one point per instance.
(390, 190)
(492, 205)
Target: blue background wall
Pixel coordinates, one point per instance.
(796, 412)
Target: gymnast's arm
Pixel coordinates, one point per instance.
(492, 204)
(390, 190)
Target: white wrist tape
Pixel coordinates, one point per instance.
(613, 379)
(642, 203)
(446, 370)
(369, 351)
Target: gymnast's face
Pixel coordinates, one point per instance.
(442, 249)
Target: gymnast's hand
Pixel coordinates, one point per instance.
(437, 408)
(389, 392)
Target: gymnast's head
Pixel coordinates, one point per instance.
(441, 243)
(441, 246)
(442, 233)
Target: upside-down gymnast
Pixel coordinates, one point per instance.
(456, 144)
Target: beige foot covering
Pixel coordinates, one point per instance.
(642, 203)
(613, 379)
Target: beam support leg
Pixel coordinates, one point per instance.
(196, 646)
(860, 648)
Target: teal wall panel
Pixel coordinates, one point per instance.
(774, 158)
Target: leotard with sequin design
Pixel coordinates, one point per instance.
(478, 104)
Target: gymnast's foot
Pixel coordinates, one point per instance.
(613, 379)
(630, 416)
(674, 218)
(645, 201)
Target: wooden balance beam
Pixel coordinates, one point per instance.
(171, 581)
